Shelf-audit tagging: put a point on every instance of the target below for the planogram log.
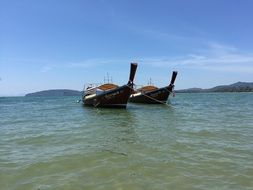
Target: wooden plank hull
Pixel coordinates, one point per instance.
(116, 98)
(110, 95)
(152, 95)
(158, 96)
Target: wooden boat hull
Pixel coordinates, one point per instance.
(116, 98)
(158, 96)
(152, 95)
(110, 95)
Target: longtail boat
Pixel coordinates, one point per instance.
(109, 94)
(153, 95)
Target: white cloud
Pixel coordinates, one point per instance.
(211, 55)
(216, 57)
(92, 62)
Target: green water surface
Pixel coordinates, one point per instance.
(200, 141)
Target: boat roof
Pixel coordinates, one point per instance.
(107, 86)
(147, 88)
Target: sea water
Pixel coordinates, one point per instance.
(199, 141)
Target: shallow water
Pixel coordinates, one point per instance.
(200, 141)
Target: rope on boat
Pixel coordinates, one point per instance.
(155, 99)
(96, 104)
(171, 91)
(152, 98)
(168, 90)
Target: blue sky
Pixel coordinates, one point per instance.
(48, 44)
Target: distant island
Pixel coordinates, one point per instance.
(236, 87)
(56, 92)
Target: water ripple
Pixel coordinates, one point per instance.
(202, 141)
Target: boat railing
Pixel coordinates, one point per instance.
(144, 88)
(98, 88)
(90, 86)
(137, 86)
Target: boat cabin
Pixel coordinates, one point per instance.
(147, 88)
(93, 89)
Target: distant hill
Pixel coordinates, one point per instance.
(56, 92)
(190, 90)
(236, 87)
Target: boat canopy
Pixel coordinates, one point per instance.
(107, 86)
(147, 88)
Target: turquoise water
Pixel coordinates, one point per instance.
(201, 141)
